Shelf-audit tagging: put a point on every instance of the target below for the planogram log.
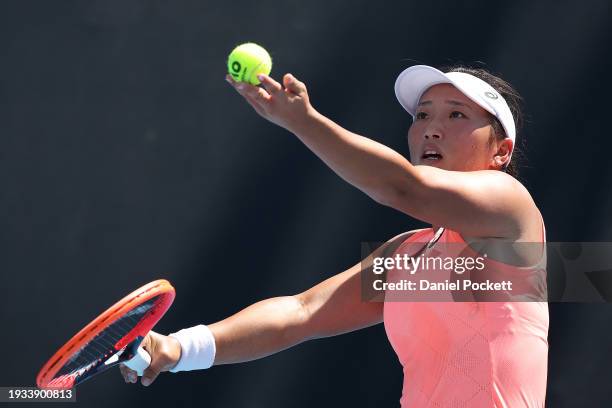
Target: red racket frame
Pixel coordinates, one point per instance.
(161, 288)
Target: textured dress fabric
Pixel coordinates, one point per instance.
(469, 353)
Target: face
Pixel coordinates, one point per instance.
(452, 132)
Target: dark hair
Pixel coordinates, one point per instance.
(514, 101)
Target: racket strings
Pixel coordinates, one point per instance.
(101, 347)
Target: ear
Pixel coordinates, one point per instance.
(502, 155)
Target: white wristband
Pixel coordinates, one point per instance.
(197, 348)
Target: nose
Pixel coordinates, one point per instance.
(433, 130)
(432, 133)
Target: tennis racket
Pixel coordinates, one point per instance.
(112, 338)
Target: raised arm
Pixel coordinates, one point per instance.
(480, 203)
(332, 307)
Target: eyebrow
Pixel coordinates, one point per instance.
(449, 101)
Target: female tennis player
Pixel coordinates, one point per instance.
(460, 354)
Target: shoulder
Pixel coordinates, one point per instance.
(502, 197)
(527, 212)
(498, 182)
(510, 194)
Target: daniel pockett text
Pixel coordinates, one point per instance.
(576, 272)
(454, 272)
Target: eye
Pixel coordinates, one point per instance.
(457, 115)
(420, 115)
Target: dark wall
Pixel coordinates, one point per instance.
(125, 157)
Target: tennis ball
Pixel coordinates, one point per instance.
(247, 61)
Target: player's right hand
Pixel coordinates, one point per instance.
(165, 353)
(286, 104)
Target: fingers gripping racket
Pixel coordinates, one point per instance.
(112, 338)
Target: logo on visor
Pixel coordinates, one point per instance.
(490, 95)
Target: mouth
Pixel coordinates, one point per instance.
(432, 155)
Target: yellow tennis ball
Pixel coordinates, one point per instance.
(247, 61)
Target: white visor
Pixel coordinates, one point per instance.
(414, 81)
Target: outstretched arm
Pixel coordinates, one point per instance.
(332, 307)
(276, 324)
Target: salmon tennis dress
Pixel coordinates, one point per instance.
(472, 354)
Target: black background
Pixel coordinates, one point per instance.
(126, 157)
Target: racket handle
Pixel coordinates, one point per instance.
(139, 362)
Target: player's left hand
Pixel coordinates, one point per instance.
(286, 105)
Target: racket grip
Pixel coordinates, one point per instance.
(139, 362)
